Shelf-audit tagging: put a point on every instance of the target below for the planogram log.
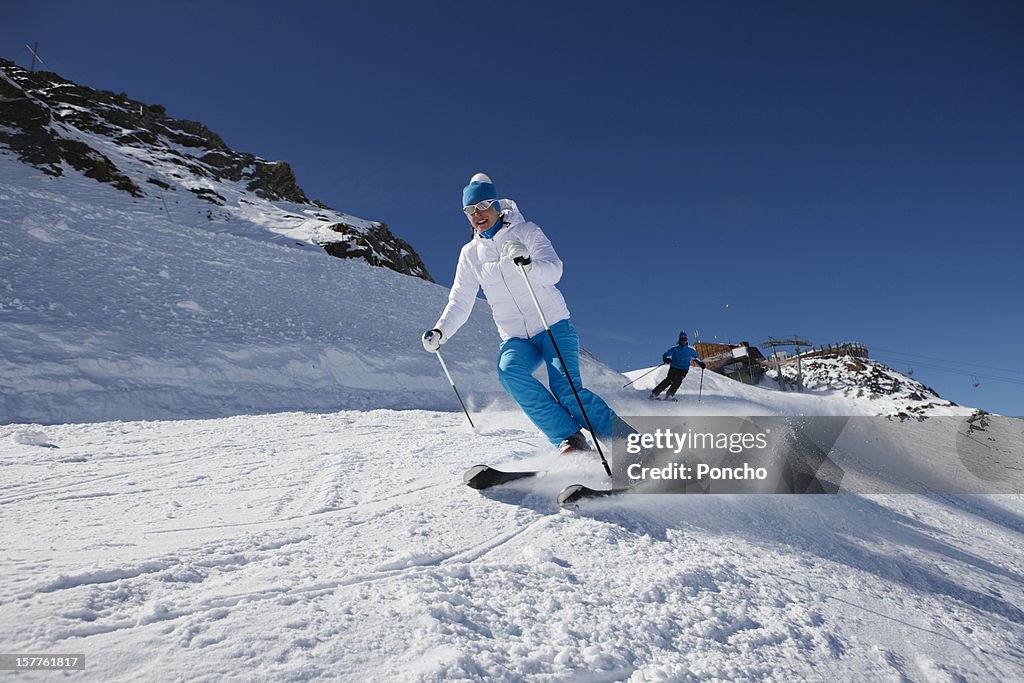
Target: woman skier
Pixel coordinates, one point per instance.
(502, 238)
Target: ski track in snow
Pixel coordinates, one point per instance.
(298, 546)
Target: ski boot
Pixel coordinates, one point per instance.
(577, 443)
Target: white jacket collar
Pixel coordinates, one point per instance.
(510, 213)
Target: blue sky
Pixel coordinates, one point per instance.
(835, 170)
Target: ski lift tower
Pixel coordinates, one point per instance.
(796, 343)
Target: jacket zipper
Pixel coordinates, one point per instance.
(526, 329)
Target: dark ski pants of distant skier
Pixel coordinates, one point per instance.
(671, 382)
(555, 412)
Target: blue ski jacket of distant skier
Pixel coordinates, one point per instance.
(482, 264)
(680, 356)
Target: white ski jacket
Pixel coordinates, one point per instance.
(482, 264)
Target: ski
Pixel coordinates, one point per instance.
(485, 476)
(576, 492)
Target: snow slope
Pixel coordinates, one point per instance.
(845, 395)
(342, 546)
(112, 311)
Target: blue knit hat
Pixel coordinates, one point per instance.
(682, 334)
(480, 188)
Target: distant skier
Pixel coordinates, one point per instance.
(500, 236)
(679, 358)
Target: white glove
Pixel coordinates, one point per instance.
(432, 340)
(517, 253)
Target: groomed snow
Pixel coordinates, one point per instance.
(343, 546)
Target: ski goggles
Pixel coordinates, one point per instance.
(479, 206)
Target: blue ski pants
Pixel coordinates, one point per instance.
(555, 412)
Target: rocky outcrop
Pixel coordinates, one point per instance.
(54, 124)
(26, 128)
(275, 180)
(378, 247)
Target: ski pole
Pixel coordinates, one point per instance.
(701, 389)
(572, 385)
(641, 376)
(449, 376)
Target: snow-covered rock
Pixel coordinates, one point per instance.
(874, 384)
(60, 128)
